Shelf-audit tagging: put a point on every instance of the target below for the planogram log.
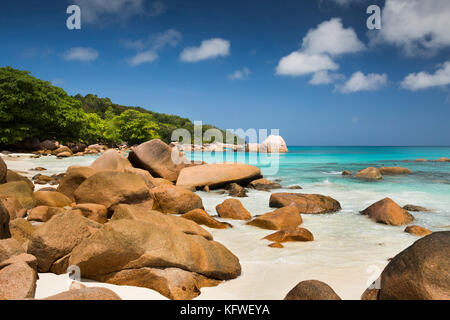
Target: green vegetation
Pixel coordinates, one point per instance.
(30, 107)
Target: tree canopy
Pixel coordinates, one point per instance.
(30, 107)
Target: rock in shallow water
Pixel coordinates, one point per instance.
(305, 203)
(233, 209)
(417, 231)
(294, 234)
(394, 170)
(283, 218)
(264, 184)
(370, 173)
(388, 212)
(174, 199)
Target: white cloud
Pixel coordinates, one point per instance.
(424, 80)
(82, 54)
(148, 50)
(209, 49)
(360, 82)
(324, 77)
(240, 74)
(329, 39)
(300, 64)
(416, 26)
(157, 8)
(332, 38)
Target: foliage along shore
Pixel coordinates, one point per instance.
(32, 109)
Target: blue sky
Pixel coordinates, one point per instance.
(309, 68)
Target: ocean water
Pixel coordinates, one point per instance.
(349, 250)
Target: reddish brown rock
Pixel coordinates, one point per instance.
(21, 230)
(388, 212)
(13, 207)
(218, 175)
(17, 281)
(264, 184)
(305, 203)
(394, 170)
(312, 290)
(346, 173)
(131, 244)
(75, 176)
(287, 235)
(370, 173)
(111, 188)
(233, 209)
(420, 272)
(19, 190)
(235, 190)
(57, 237)
(111, 160)
(9, 248)
(132, 212)
(95, 212)
(52, 199)
(417, 231)
(13, 176)
(175, 200)
(86, 294)
(283, 218)
(43, 213)
(201, 217)
(29, 259)
(156, 157)
(370, 294)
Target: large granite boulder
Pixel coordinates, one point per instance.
(233, 209)
(283, 218)
(312, 290)
(3, 171)
(132, 212)
(111, 160)
(388, 212)
(273, 144)
(57, 237)
(89, 294)
(218, 175)
(12, 176)
(420, 272)
(49, 145)
(13, 207)
(17, 281)
(174, 199)
(305, 203)
(52, 199)
(158, 158)
(10, 248)
(74, 177)
(123, 247)
(370, 173)
(111, 188)
(394, 170)
(21, 230)
(19, 190)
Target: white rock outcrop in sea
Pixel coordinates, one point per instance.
(273, 144)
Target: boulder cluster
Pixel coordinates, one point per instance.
(374, 174)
